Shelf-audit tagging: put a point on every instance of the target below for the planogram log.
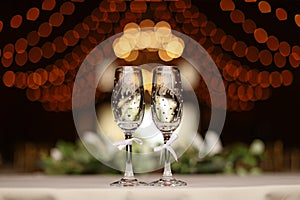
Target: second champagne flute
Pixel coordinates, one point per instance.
(166, 107)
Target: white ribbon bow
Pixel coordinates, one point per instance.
(123, 143)
(168, 146)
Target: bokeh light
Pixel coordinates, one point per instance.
(32, 14)
(138, 6)
(45, 29)
(67, 8)
(260, 35)
(275, 79)
(48, 49)
(227, 42)
(132, 56)
(252, 53)
(227, 5)
(287, 77)
(239, 48)
(216, 35)
(35, 54)
(8, 51)
(21, 58)
(6, 62)
(30, 82)
(263, 79)
(284, 48)
(297, 19)
(21, 80)
(48, 5)
(249, 26)
(281, 14)
(273, 43)
(9, 78)
(279, 60)
(296, 52)
(264, 7)
(16, 21)
(43, 76)
(294, 63)
(164, 55)
(21, 45)
(265, 57)
(252, 77)
(71, 38)
(33, 94)
(237, 16)
(147, 23)
(59, 44)
(33, 38)
(56, 19)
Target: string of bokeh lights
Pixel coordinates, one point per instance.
(52, 85)
(261, 35)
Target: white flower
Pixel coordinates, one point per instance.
(98, 146)
(211, 145)
(198, 142)
(91, 138)
(257, 147)
(56, 154)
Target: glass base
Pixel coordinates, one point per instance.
(169, 182)
(124, 182)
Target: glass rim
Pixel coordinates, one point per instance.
(135, 67)
(161, 67)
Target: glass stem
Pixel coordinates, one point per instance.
(167, 168)
(128, 168)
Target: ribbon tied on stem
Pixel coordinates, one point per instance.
(167, 146)
(123, 143)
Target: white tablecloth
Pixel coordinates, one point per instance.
(212, 187)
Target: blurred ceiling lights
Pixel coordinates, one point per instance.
(158, 38)
(52, 84)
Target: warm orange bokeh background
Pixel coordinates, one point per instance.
(255, 45)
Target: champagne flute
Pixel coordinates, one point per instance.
(166, 109)
(128, 109)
